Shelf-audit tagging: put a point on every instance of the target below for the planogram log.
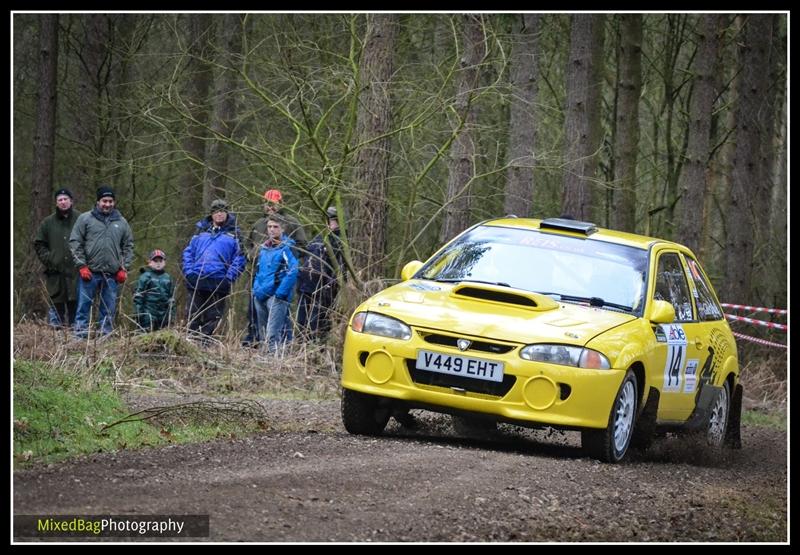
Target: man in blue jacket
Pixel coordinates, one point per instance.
(274, 283)
(212, 261)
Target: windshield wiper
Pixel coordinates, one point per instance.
(593, 301)
(459, 280)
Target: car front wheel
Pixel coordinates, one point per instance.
(718, 421)
(611, 443)
(363, 414)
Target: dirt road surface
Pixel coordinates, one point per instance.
(307, 480)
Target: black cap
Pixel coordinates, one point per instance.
(219, 204)
(105, 191)
(63, 191)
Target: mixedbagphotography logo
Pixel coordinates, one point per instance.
(110, 526)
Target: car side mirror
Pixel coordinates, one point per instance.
(662, 312)
(410, 269)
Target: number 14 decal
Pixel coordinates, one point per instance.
(676, 357)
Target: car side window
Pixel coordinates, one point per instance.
(671, 286)
(707, 307)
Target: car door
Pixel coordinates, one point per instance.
(677, 354)
(713, 340)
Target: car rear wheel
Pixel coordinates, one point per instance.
(718, 421)
(363, 414)
(611, 443)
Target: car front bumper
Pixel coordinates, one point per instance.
(532, 392)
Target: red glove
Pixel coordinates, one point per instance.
(121, 276)
(86, 273)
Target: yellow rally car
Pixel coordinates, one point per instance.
(551, 322)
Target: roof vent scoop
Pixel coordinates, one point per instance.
(497, 296)
(564, 224)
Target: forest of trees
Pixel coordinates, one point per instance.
(415, 126)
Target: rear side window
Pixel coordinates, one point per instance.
(671, 286)
(707, 307)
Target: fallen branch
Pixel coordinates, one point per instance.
(233, 410)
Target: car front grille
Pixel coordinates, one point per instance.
(451, 341)
(424, 377)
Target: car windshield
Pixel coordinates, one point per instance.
(572, 269)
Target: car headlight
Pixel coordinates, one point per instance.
(378, 324)
(566, 355)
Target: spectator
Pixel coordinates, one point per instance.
(154, 297)
(273, 200)
(274, 283)
(60, 274)
(212, 262)
(102, 248)
(318, 285)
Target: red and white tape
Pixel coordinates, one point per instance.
(755, 308)
(772, 325)
(761, 341)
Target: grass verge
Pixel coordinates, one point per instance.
(764, 419)
(60, 413)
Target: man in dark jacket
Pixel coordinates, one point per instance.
(317, 283)
(102, 248)
(212, 262)
(52, 248)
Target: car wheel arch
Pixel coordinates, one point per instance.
(642, 384)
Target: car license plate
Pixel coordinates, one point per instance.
(456, 365)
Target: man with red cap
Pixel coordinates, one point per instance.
(273, 206)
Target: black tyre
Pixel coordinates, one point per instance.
(473, 427)
(363, 414)
(611, 443)
(718, 421)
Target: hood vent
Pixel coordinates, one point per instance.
(496, 296)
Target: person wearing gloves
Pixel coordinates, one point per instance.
(101, 243)
(212, 262)
(274, 283)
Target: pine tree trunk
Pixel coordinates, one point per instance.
(582, 125)
(693, 179)
(522, 117)
(199, 33)
(367, 226)
(747, 161)
(222, 122)
(765, 259)
(626, 145)
(44, 140)
(460, 164)
(95, 62)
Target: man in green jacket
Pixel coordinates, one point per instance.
(60, 274)
(102, 248)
